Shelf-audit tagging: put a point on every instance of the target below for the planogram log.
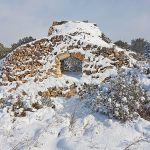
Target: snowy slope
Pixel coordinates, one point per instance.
(71, 126)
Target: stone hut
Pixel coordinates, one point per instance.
(41, 62)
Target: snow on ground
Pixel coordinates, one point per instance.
(70, 126)
(32, 87)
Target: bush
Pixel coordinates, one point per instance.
(105, 38)
(46, 101)
(1, 103)
(22, 41)
(36, 105)
(123, 98)
(138, 45)
(122, 44)
(3, 51)
(147, 51)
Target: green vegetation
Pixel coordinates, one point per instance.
(137, 45)
(4, 50)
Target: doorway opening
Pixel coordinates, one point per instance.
(71, 66)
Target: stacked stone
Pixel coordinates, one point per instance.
(55, 23)
(119, 58)
(59, 91)
(62, 56)
(25, 60)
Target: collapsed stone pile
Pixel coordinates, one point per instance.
(60, 91)
(41, 59)
(26, 60)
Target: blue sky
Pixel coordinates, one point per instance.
(118, 19)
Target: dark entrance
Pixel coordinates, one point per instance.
(71, 65)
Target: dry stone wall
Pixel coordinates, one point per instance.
(41, 59)
(26, 61)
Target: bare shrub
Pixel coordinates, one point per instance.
(138, 141)
(23, 114)
(72, 120)
(46, 101)
(1, 103)
(36, 105)
(18, 108)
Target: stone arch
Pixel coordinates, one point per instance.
(60, 57)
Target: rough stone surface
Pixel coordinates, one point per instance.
(41, 59)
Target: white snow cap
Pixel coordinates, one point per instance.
(80, 30)
(73, 26)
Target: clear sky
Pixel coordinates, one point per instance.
(118, 19)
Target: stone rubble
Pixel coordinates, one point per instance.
(42, 58)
